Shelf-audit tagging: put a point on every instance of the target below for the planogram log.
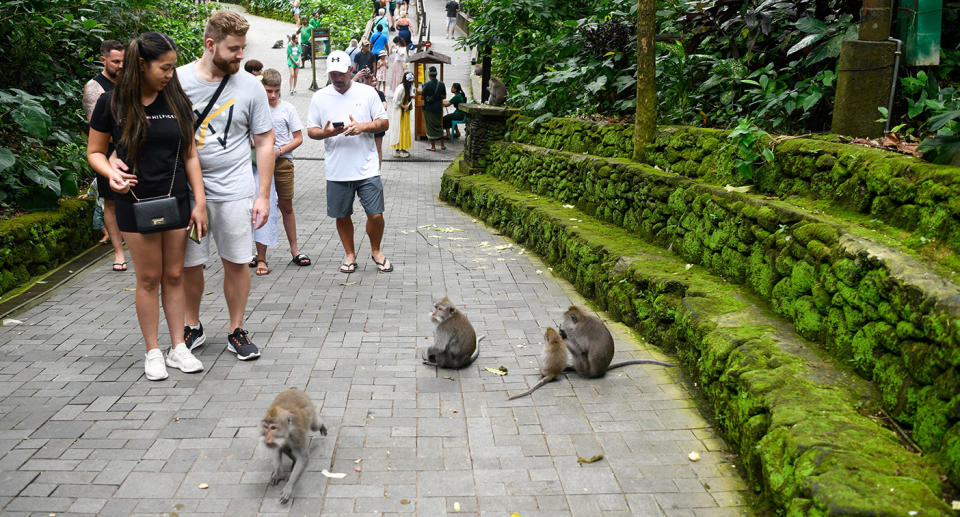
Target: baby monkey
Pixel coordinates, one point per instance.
(455, 341)
(552, 361)
(285, 430)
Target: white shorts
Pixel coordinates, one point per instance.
(451, 22)
(230, 228)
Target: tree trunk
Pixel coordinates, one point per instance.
(645, 126)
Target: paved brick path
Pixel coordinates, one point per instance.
(83, 432)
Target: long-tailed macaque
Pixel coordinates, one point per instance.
(285, 429)
(552, 361)
(591, 345)
(455, 341)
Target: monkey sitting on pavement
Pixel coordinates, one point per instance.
(455, 342)
(285, 429)
(552, 361)
(591, 344)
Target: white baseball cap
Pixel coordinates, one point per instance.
(338, 61)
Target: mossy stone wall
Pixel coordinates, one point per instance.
(902, 335)
(803, 446)
(33, 244)
(901, 191)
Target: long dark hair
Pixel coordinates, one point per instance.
(406, 88)
(126, 105)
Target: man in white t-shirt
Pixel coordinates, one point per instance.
(346, 115)
(224, 147)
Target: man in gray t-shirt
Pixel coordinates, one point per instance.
(224, 147)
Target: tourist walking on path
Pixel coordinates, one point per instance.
(149, 119)
(434, 92)
(452, 8)
(378, 42)
(405, 28)
(346, 115)
(111, 55)
(288, 131)
(382, 22)
(398, 62)
(365, 58)
(234, 106)
(400, 117)
(306, 42)
(294, 62)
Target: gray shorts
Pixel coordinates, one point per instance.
(340, 196)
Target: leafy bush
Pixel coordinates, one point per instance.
(562, 57)
(49, 48)
(346, 19)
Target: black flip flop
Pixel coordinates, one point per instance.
(301, 260)
(380, 267)
(348, 268)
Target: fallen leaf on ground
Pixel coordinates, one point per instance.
(478, 259)
(458, 238)
(448, 377)
(358, 460)
(483, 244)
(499, 371)
(41, 281)
(404, 501)
(203, 486)
(456, 506)
(742, 190)
(693, 456)
(514, 514)
(539, 271)
(129, 288)
(427, 226)
(505, 247)
(449, 229)
(208, 293)
(334, 475)
(582, 460)
(348, 283)
(567, 206)
(12, 322)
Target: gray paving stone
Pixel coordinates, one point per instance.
(82, 431)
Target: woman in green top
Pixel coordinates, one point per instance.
(455, 101)
(293, 62)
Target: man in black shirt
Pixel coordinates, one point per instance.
(365, 58)
(452, 7)
(111, 55)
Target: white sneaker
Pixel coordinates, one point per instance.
(153, 367)
(181, 359)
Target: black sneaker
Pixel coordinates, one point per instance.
(192, 337)
(240, 344)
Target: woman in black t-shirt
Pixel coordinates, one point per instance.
(149, 119)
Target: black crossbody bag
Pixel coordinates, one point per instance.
(160, 213)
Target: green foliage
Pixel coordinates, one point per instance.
(49, 48)
(346, 19)
(934, 111)
(748, 139)
(562, 57)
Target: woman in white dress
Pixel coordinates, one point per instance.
(402, 102)
(398, 63)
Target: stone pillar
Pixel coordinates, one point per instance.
(865, 73)
(485, 124)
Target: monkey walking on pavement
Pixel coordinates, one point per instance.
(285, 429)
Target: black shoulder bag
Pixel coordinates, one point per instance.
(160, 213)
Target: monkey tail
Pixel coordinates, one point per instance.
(476, 352)
(639, 361)
(543, 380)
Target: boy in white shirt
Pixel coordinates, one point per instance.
(289, 135)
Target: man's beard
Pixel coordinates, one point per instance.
(225, 66)
(113, 76)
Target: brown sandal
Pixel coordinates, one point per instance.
(265, 270)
